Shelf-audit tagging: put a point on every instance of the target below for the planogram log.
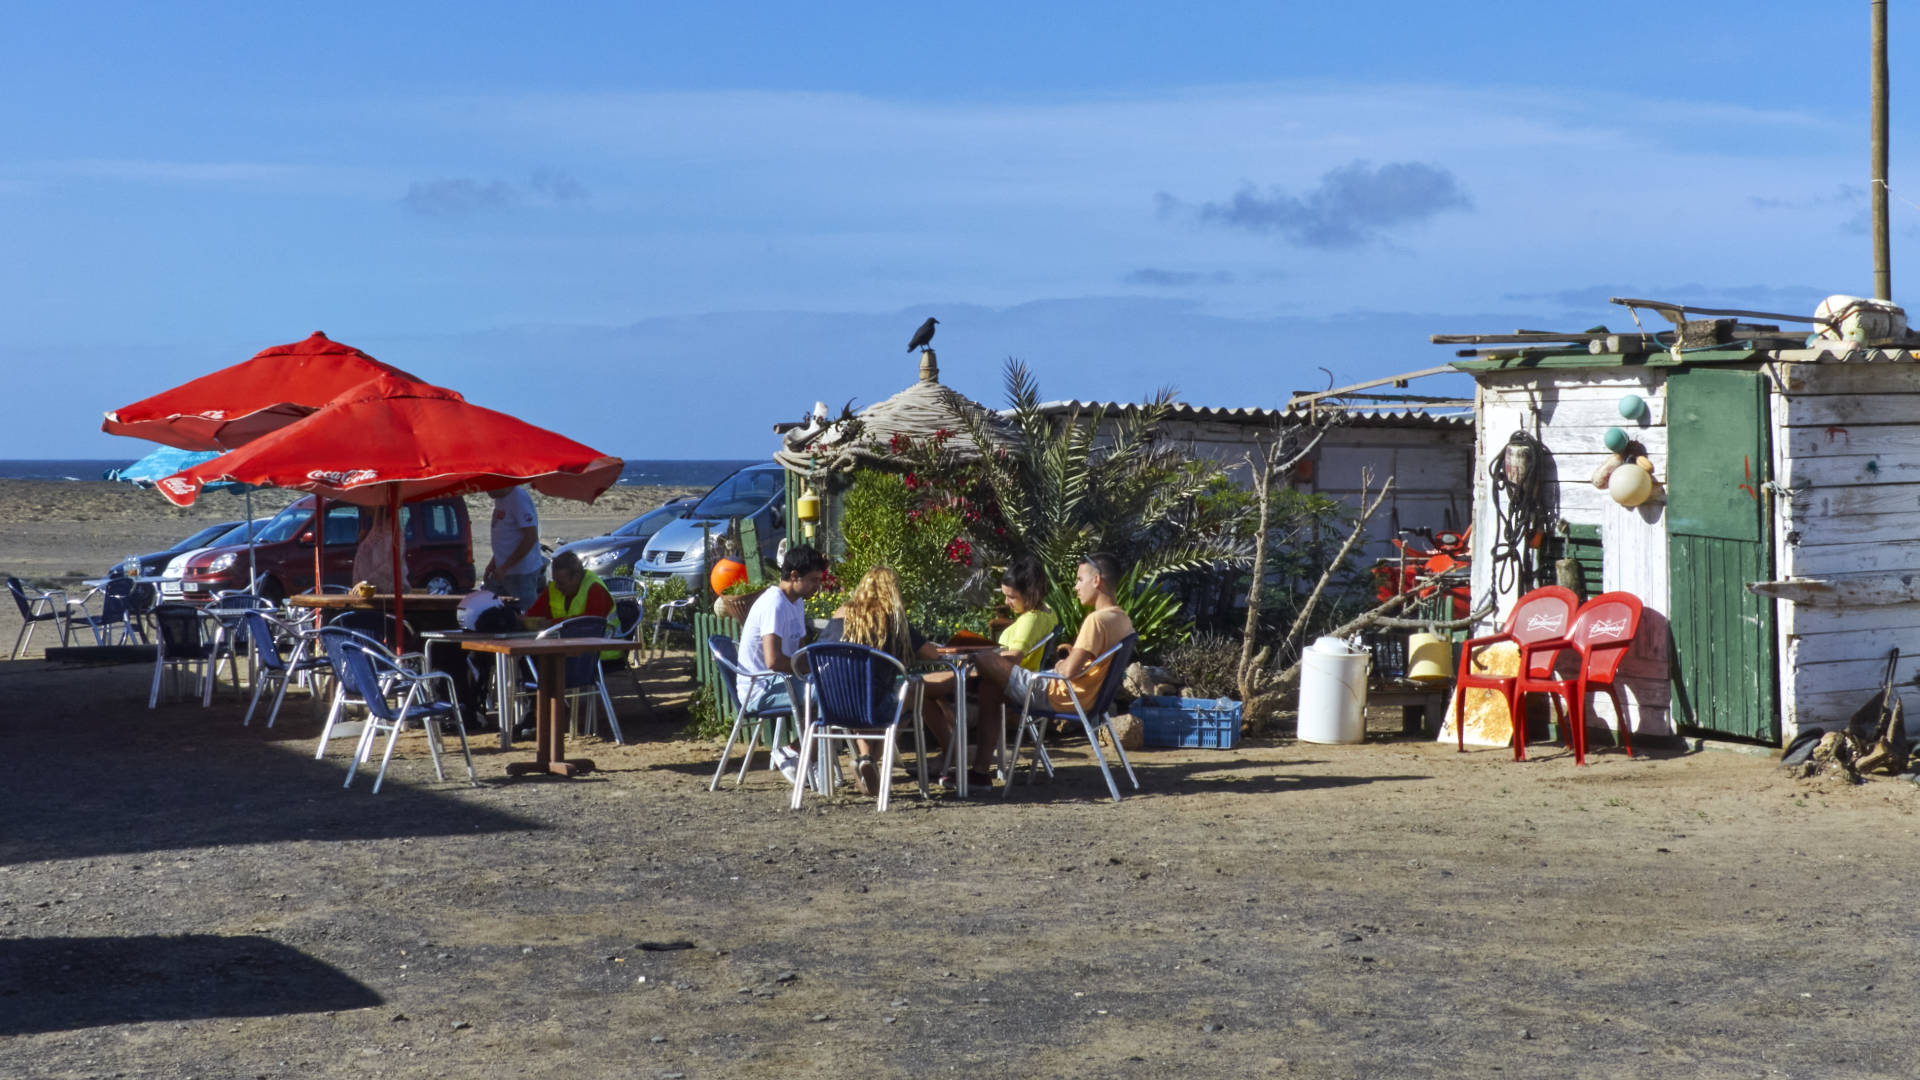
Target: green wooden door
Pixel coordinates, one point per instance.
(1719, 539)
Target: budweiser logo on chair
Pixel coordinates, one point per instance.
(1546, 621)
(1617, 628)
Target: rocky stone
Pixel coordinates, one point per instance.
(1133, 735)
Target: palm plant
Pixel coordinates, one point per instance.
(1081, 484)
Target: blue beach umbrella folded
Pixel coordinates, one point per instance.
(168, 460)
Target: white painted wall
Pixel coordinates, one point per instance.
(1570, 411)
(1847, 444)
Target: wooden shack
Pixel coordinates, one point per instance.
(1779, 557)
(1428, 450)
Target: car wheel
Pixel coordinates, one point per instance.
(440, 584)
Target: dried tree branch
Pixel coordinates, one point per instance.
(1301, 621)
(1252, 660)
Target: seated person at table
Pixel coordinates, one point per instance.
(1004, 680)
(1024, 587)
(875, 615)
(775, 628)
(373, 559)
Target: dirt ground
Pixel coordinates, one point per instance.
(182, 896)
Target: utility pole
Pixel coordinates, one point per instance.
(1882, 253)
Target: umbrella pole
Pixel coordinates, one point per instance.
(399, 572)
(253, 571)
(319, 540)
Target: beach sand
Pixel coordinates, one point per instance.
(54, 534)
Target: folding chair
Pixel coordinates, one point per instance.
(850, 695)
(45, 605)
(181, 644)
(773, 719)
(375, 675)
(1001, 760)
(230, 637)
(665, 623)
(1032, 712)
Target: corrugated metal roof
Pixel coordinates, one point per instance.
(1357, 417)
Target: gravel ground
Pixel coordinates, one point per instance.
(183, 896)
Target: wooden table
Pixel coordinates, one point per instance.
(550, 659)
(377, 602)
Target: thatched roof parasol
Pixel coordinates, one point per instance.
(917, 412)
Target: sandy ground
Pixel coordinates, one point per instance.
(182, 896)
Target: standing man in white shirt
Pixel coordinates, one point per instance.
(776, 627)
(515, 567)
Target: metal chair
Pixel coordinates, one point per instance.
(1001, 760)
(1031, 713)
(333, 640)
(116, 610)
(850, 695)
(230, 638)
(181, 645)
(584, 675)
(376, 676)
(44, 605)
(772, 719)
(266, 633)
(665, 623)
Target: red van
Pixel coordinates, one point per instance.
(439, 541)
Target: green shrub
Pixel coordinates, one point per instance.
(885, 524)
(705, 719)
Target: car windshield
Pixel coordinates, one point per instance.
(235, 535)
(649, 523)
(284, 526)
(204, 538)
(741, 494)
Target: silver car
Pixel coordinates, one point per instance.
(624, 545)
(758, 492)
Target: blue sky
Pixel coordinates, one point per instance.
(661, 230)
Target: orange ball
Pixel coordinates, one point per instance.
(727, 573)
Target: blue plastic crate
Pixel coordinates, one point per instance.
(1198, 722)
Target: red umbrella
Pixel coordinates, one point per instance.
(392, 440)
(235, 405)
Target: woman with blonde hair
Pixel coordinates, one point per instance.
(875, 615)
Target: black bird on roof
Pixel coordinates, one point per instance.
(923, 336)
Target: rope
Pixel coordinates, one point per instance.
(1522, 519)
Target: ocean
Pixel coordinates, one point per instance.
(669, 473)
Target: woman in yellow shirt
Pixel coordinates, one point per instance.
(1024, 587)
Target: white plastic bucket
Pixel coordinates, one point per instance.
(1333, 693)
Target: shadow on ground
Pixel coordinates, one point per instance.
(68, 983)
(98, 781)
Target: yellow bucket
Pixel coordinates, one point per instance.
(1429, 658)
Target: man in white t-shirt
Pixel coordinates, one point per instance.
(515, 567)
(776, 627)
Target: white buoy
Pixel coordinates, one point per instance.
(1333, 693)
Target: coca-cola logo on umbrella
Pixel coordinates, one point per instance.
(344, 478)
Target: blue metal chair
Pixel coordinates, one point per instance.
(852, 692)
(116, 610)
(265, 633)
(376, 676)
(585, 676)
(772, 719)
(333, 639)
(1037, 708)
(181, 645)
(46, 605)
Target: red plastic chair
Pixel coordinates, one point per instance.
(1542, 615)
(1602, 635)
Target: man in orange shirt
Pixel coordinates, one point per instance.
(1104, 627)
